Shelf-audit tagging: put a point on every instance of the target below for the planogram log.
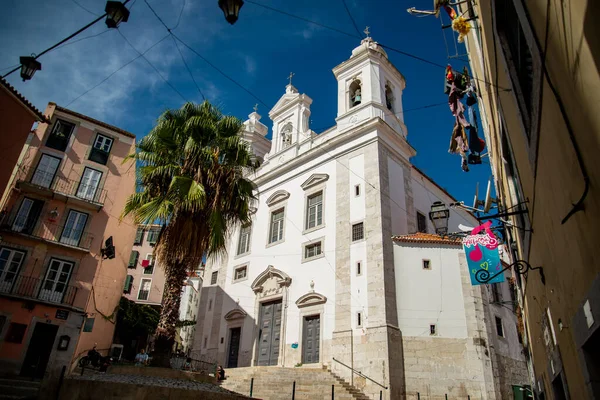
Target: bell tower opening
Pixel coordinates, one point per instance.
(355, 92)
(389, 97)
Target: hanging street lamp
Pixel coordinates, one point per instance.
(231, 9)
(116, 12)
(439, 216)
(28, 67)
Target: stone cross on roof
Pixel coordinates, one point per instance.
(255, 108)
(291, 76)
(366, 31)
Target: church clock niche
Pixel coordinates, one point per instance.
(286, 135)
(355, 93)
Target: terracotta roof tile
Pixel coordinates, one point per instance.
(22, 99)
(430, 238)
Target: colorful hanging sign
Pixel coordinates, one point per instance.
(483, 258)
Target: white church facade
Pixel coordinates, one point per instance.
(317, 275)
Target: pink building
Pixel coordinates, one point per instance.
(58, 294)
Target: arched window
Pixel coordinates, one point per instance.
(286, 135)
(355, 93)
(389, 97)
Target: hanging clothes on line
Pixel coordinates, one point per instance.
(459, 144)
(456, 106)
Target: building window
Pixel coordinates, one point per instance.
(73, 231)
(209, 304)
(244, 240)
(359, 319)
(426, 264)
(499, 329)
(496, 295)
(432, 329)
(357, 190)
(518, 57)
(145, 286)
(128, 284)
(359, 268)
(139, 236)
(314, 210)
(276, 231)
(89, 324)
(312, 250)
(27, 216)
(10, 264)
(15, 333)
(358, 232)
(45, 172)
(205, 341)
(56, 280)
(213, 278)
(152, 236)
(133, 259)
(101, 149)
(421, 222)
(240, 273)
(88, 186)
(150, 268)
(355, 93)
(60, 135)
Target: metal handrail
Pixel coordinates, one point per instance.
(360, 373)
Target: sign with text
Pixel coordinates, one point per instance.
(483, 258)
(62, 314)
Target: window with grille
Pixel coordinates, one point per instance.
(244, 240)
(213, 278)
(276, 231)
(101, 149)
(499, 328)
(518, 56)
(145, 286)
(240, 273)
(421, 222)
(60, 135)
(314, 210)
(312, 250)
(358, 232)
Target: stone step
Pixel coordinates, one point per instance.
(22, 389)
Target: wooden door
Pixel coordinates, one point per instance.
(310, 339)
(270, 333)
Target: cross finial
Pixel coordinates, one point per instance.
(255, 108)
(366, 31)
(291, 76)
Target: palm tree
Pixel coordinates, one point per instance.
(192, 170)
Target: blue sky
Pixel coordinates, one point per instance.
(259, 52)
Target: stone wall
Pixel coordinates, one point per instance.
(511, 373)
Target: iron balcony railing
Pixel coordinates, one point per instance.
(42, 228)
(52, 291)
(87, 190)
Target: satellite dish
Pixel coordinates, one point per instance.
(476, 202)
(488, 198)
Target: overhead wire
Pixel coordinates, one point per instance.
(351, 17)
(84, 8)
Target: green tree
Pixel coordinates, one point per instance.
(192, 169)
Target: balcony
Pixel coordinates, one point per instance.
(40, 228)
(45, 290)
(86, 193)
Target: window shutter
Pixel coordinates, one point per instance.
(128, 284)
(133, 259)
(138, 235)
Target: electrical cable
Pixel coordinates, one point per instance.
(350, 15)
(85, 9)
(187, 67)
(180, 14)
(115, 71)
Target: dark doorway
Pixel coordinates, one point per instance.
(234, 347)
(311, 333)
(38, 352)
(591, 353)
(270, 333)
(558, 388)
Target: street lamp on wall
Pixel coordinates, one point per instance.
(439, 216)
(116, 12)
(231, 9)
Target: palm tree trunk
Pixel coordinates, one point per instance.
(165, 332)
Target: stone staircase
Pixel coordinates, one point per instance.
(276, 383)
(19, 389)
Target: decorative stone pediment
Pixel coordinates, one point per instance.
(311, 299)
(314, 179)
(277, 197)
(270, 282)
(236, 313)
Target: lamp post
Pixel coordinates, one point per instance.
(439, 216)
(231, 9)
(116, 12)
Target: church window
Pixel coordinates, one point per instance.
(312, 250)
(314, 210)
(286, 135)
(276, 231)
(213, 278)
(389, 97)
(355, 93)
(359, 268)
(358, 232)
(421, 222)
(499, 328)
(432, 329)
(359, 321)
(240, 273)
(244, 240)
(426, 264)
(357, 190)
